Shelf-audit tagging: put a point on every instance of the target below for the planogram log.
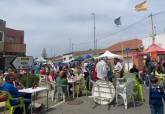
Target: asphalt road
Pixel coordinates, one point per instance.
(89, 107)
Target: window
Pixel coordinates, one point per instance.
(1, 36)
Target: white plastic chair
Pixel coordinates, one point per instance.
(42, 80)
(125, 89)
(59, 93)
(52, 89)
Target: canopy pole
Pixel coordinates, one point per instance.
(122, 48)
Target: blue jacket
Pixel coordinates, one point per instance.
(156, 96)
(11, 89)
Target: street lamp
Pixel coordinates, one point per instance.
(94, 28)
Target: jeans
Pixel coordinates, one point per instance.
(148, 79)
(110, 75)
(156, 109)
(19, 110)
(86, 76)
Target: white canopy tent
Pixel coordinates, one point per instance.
(109, 55)
(40, 59)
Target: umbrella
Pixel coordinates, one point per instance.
(87, 56)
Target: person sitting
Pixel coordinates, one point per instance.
(1, 78)
(51, 76)
(42, 71)
(62, 81)
(18, 84)
(134, 70)
(9, 87)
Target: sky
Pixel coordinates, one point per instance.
(55, 24)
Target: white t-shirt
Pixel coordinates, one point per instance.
(101, 69)
(84, 67)
(118, 67)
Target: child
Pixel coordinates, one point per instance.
(156, 97)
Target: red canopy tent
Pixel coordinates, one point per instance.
(154, 50)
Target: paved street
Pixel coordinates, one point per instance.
(89, 107)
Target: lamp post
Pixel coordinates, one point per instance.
(94, 28)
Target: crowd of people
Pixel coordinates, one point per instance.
(90, 70)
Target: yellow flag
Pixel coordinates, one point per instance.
(142, 6)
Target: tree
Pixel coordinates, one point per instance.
(44, 54)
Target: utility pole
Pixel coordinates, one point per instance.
(153, 33)
(96, 43)
(72, 47)
(54, 52)
(94, 29)
(155, 30)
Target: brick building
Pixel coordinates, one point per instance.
(11, 45)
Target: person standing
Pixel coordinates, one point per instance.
(86, 73)
(118, 68)
(110, 71)
(150, 70)
(156, 97)
(102, 70)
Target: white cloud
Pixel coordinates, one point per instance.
(50, 23)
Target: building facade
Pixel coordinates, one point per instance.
(120, 49)
(11, 45)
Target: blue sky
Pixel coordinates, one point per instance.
(51, 23)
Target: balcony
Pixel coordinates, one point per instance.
(13, 48)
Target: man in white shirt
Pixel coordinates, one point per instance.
(118, 68)
(102, 70)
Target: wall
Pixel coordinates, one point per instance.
(14, 36)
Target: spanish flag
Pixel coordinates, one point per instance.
(142, 6)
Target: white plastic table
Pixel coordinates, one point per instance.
(34, 91)
(103, 92)
(73, 81)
